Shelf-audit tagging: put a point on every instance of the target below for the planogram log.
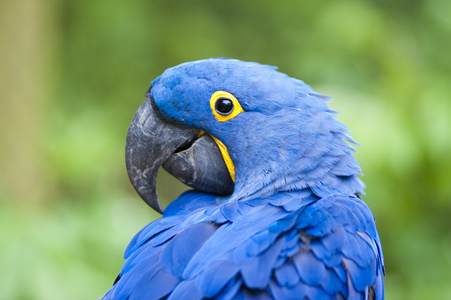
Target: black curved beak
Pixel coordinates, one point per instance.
(195, 160)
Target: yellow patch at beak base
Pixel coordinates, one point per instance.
(225, 155)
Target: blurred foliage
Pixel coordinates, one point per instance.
(74, 72)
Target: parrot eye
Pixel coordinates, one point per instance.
(224, 106)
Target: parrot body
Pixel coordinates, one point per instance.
(294, 226)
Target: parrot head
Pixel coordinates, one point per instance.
(241, 130)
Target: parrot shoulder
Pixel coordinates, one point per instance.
(292, 244)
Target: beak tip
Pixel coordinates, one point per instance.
(145, 184)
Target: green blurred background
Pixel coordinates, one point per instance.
(73, 73)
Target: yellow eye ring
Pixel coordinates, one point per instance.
(224, 106)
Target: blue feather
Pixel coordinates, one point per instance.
(329, 258)
(331, 284)
(187, 289)
(165, 282)
(334, 241)
(183, 246)
(360, 279)
(216, 277)
(287, 275)
(257, 273)
(341, 273)
(353, 294)
(148, 232)
(292, 245)
(230, 291)
(311, 270)
(184, 204)
(230, 211)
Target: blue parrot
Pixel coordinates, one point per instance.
(275, 211)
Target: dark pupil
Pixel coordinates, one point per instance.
(224, 106)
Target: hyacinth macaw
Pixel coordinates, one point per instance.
(275, 212)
